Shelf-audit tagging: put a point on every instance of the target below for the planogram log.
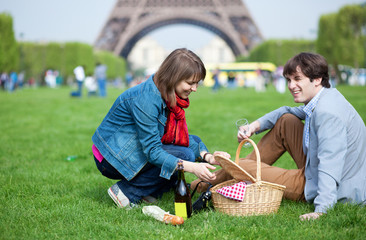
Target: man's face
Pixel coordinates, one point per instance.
(301, 88)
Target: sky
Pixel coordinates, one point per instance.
(82, 20)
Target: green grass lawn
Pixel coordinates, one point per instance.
(43, 196)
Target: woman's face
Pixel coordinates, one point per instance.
(185, 87)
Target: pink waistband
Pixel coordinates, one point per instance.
(97, 154)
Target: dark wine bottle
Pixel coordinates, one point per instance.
(182, 200)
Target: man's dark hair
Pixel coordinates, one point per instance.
(312, 66)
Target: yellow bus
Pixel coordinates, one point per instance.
(244, 72)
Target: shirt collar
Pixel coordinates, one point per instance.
(308, 109)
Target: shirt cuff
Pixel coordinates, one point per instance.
(320, 209)
(169, 166)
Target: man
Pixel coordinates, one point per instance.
(80, 76)
(329, 149)
(100, 73)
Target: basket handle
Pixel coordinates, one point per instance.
(256, 153)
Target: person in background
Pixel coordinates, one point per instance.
(231, 80)
(215, 77)
(91, 86)
(129, 78)
(21, 79)
(260, 82)
(333, 77)
(144, 134)
(280, 81)
(100, 74)
(79, 72)
(329, 149)
(13, 83)
(4, 79)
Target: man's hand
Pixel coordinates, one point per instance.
(310, 216)
(250, 130)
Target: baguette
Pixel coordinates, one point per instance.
(173, 219)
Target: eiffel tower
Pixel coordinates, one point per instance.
(131, 20)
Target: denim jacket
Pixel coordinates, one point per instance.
(130, 134)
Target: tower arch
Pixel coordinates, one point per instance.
(130, 20)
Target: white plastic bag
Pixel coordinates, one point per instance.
(161, 215)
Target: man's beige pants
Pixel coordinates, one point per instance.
(286, 135)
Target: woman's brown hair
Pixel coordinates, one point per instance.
(181, 64)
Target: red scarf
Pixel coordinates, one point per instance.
(176, 130)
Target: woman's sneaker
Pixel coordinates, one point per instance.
(118, 197)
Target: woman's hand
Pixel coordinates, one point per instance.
(210, 158)
(201, 170)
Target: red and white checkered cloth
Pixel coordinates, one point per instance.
(234, 192)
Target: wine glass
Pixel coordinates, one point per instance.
(243, 126)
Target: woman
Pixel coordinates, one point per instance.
(144, 134)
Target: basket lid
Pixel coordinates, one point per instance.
(234, 169)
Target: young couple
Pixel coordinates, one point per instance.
(144, 134)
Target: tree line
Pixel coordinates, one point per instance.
(341, 40)
(36, 58)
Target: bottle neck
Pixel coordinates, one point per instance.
(180, 170)
(181, 174)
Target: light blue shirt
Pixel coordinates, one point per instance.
(308, 109)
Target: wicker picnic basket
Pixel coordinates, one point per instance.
(260, 197)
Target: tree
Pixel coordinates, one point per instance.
(38, 57)
(279, 51)
(54, 56)
(9, 55)
(341, 37)
(350, 22)
(116, 66)
(327, 37)
(78, 54)
(34, 62)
